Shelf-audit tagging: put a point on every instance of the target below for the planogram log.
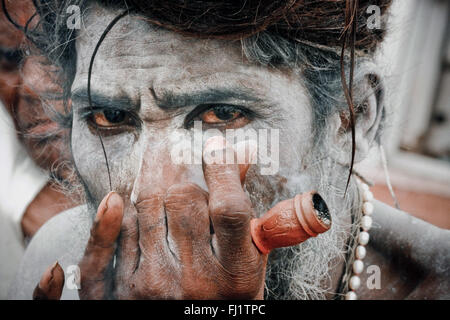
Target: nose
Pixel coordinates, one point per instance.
(159, 170)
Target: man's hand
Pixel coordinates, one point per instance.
(187, 244)
(182, 244)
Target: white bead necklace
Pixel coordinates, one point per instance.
(363, 239)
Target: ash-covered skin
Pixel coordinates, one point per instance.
(144, 63)
(141, 62)
(137, 60)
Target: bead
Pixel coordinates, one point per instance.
(351, 295)
(355, 282)
(360, 252)
(366, 223)
(358, 266)
(367, 196)
(367, 208)
(363, 238)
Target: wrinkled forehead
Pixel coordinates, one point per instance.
(142, 52)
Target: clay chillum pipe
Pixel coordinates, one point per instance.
(291, 222)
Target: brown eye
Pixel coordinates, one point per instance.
(220, 114)
(110, 118)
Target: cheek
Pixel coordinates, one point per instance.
(294, 147)
(267, 190)
(91, 165)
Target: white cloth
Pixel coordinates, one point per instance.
(20, 182)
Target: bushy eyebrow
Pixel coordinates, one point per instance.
(122, 102)
(169, 100)
(166, 99)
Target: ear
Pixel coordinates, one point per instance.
(369, 116)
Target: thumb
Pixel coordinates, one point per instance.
(51, 285)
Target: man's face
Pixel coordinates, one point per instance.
(149, 84)
(151, 88)
(11, 39)
(44, 139)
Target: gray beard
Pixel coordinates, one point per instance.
(305, 271)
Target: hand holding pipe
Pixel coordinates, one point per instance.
(291, 221)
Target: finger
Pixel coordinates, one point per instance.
(151, 223)
(229, 207)
(247, 152)
(128, 244)
(51, 285)
(101, 247)
(186, 208)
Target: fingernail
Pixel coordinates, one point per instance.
(215, 143)
(104, 205)
(48, 276)
(54, 266)
(110, 199)
(216, 151)
(52, 271)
